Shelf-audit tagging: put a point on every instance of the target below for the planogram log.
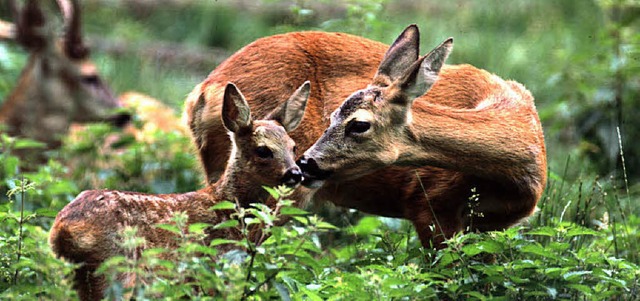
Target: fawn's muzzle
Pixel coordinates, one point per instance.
(292, 177)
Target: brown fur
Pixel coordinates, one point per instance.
(86, 230)
(337, 65)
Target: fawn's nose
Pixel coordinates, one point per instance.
(292, 177)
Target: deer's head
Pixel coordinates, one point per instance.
(60, 82)
(369, 130)
(262, 151)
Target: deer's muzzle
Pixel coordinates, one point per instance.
(120, 120)
(312, 172)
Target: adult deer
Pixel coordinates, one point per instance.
(85, 231)
(59, 85)
(471, 132)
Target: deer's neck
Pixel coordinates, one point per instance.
(14, 112)
(37, 108)
(492, 142)
(238, 186)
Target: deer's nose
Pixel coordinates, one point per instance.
(292, 177)
(120, 120)
(311, 170)
(309, 166)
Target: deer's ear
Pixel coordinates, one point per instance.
(401, 55)
(73, 44)
(236, 114)
(30, 26)
(290, 113)
(422, 74)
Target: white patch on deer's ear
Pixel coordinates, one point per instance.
(418, 88)
(427, 73)
(433, 62)
(361, 115)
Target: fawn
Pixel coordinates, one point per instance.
(86, 230)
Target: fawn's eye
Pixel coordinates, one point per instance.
(264, 152)
(295, 149)
(357, 127)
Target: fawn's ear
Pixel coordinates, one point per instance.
(421, 75)
(236, 114)
(291, 112)
(401, 55)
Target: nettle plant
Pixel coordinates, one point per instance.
(28, 203)
(270, 265)
(101, 156)
(383, 260)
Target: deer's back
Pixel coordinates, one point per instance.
(337, 65)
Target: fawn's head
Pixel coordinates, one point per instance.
(262, 151)
(60, 79)
(368, 130)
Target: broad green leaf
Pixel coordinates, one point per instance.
(366, 226)
(292, 211)
(224, 205)
(264, 217)
(301, 219)
(227, 224)
(447, 258)
(575, 274)
(170, 228)
(581, 231)
(199, 248)
(28, 143)
(154, 251)
(198, 227)
(543, 231)
(273, 192)
(486, 246)
(325, 225)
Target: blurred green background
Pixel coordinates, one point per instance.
(580, 59)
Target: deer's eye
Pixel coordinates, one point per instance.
(295, 149)
(264, 152)
(357, 127)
